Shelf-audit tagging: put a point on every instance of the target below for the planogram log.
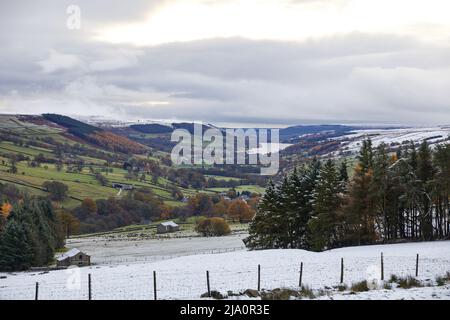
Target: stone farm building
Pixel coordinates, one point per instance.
(73, 257)
(165, 227)
(122, 186)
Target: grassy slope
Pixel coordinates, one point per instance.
(81, 185)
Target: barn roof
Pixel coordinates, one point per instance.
(69, 254)
(169, 224)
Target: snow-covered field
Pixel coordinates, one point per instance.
(104, 250)
(184, 277)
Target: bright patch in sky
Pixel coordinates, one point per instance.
(180, 21)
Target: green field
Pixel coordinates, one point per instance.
(250, 188)
(222, 178)
(8, 147)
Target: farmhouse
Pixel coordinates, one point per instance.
(73, 257)
(122, 186)
(166, 227)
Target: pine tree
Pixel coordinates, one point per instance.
(343, 172)
(15, 251)
(412, 156)
(35, 223)
(425, 173)
(322, 226)
(358, 213)
(261, 230)
(401, 195)
(365, 156)
(281, 222)
(302, 189)
(380, 189)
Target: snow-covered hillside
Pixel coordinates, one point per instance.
(353, 141)
(184, 277)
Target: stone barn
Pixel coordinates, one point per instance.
(165, 227)
(73, 257)
(122, 186)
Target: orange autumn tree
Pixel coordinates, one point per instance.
(6, 209)
(165, 211)
(240, 210)
(221, 208)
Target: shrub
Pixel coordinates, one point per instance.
(408, 282)
(360, 286)
(393, 278)
(442, 280)
(342, 287)
(307, 292)
(212, 227)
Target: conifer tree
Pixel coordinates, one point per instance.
(358, 213)
(392, 194)
(322, 226)
(425, 173)
(343, 172)
(15, 250)
(380, 189)
(261, 230)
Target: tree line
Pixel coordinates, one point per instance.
(391, 196)
(30, 232)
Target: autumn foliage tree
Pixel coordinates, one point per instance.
(5, 209)
(89, 206)
(221, 208)
(70, 225)
(239, 210)
(212, 226)
(200, 205)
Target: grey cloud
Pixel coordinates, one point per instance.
(348, 77)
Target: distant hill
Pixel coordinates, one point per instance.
(155, 128)
(294, 132)
(75, 127)
(98, 136)
(152, 128)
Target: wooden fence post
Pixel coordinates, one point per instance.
(155, 297)
(207, 284)
(342, 270)
(36, 293)
(259, 277)
(89, 287)
(301, 275)
(417, 265)
(382, 267)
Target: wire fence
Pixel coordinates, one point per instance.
(154, 258)
(191, 281)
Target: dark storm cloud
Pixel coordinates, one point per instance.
(45, 67)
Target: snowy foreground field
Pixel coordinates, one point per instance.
(184, 277)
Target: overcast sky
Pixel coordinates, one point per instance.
(272, 62)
